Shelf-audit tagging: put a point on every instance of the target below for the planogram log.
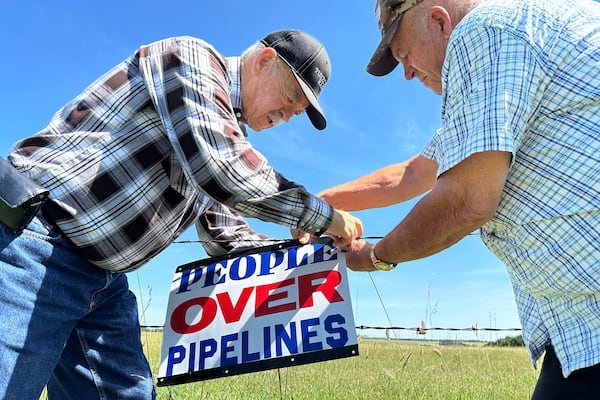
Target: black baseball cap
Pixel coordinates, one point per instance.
(309, 63)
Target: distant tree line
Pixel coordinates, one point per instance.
(509, 341)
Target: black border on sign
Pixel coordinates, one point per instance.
(254, 250)
(263, 365)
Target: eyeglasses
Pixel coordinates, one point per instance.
(289, 87)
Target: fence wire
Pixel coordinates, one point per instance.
(402, 328)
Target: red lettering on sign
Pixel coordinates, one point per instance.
(233, 313)
(264, 297)
(208, 311)
(327, 287)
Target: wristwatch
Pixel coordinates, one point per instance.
(378, 264)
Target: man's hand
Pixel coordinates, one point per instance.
(302, 237)
(358, 256)
(344, 229)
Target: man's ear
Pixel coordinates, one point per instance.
(441, 20)
(264, 59)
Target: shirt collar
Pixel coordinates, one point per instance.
(235, 73)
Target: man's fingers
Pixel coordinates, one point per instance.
(304, 238)
(340, 242)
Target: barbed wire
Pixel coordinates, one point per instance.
(266, 240)
(423, 330)
(402, 328)
(272, 240)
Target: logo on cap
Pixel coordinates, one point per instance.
(322, 80)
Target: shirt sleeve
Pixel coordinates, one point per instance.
(490, 92)
(222, 230)
(190, 88)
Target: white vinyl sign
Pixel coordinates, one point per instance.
(278, 306)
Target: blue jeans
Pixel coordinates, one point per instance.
(65, 323)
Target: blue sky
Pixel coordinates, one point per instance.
(53, 50)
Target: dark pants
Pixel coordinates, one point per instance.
(581, 384)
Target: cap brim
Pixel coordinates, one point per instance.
(314, 112)
(382, 61)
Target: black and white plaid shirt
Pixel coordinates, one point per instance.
(153, 147)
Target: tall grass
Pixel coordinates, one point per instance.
(385, 369)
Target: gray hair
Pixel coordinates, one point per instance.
(280, 69)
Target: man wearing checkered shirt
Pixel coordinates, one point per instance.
(517, 155)
(151, 148)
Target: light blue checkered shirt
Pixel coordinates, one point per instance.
(523, 76)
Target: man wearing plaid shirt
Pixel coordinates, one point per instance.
(517, 155)
(151, 148)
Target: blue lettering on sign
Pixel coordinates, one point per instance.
(195, 355)
(267, 341)
(226, 347)
(281, 337)
(208, 348)
(305, 326)
(246, 355)
(262, 264)
(266, 266)
(342, 333)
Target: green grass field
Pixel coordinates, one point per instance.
(394, 369)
